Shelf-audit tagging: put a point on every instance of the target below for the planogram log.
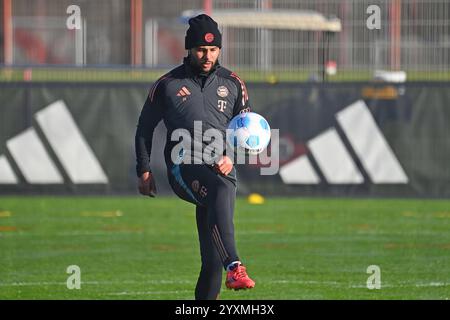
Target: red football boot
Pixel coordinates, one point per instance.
(238, 279)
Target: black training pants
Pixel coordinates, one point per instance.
(214, 195)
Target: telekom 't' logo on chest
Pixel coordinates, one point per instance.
(222, 105)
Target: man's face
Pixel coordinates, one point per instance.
(205, 57)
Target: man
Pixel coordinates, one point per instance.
(199, 90)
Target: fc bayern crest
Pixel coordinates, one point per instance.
(222, 91)
(209, 37)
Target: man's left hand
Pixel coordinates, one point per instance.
(224, 165)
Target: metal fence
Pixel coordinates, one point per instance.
(413, 36)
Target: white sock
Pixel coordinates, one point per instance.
(231, 265)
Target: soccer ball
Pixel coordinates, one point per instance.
(248, 133)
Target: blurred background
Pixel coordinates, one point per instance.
(358, 90)
(305, 63)
(412, 36)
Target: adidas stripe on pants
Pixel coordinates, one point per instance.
(214, 197)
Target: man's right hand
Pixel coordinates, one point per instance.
(146, 185)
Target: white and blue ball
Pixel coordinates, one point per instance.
(249, 133)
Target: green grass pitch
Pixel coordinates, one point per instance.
(294, 248)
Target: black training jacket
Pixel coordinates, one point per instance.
(181, 97)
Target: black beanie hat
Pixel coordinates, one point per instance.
(203, 31)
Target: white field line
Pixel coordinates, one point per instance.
(326, 283)
(138, 293)
(337, 284)
(159, 282)
(111, 233)
(96, 283)
(406, 285)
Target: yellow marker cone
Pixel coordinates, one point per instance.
(255, 198)
(4, 214)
